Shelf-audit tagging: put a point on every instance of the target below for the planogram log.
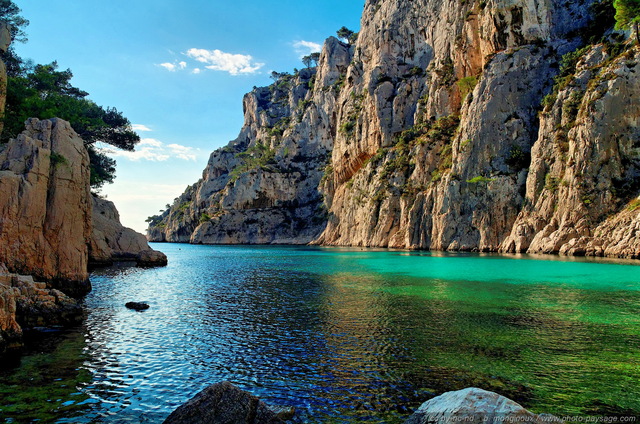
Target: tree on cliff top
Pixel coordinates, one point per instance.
(44, 92)
(346, 34)
(313, 58)
(10, 14)
(628, 15)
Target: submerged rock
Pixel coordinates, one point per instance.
(475, 406)
(138, 306)
(223, 403)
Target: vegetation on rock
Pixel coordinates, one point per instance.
(43, 92)
(628, 15)
(347, 35)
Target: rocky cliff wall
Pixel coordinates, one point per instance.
(45, 213)
(49, 223)
(51, 229)
(264, 186)
(448, 125)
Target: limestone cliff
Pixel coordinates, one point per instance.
(49, 225)
(45, 212)
(111, 242)
(478, 125)
(264, 186)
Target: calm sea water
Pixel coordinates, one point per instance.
(343, 335)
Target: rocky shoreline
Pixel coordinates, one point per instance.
(224, 403)
(52, 229)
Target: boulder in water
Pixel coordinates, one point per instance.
(476, 406)
(223, 403)
(138, 306)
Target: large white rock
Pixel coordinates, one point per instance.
(475, 406)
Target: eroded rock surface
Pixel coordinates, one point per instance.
(111, 242)
(25, 303)
(45, 212)
(448, 125)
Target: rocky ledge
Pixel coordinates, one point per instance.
(25, 304)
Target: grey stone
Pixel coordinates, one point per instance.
(223, 403)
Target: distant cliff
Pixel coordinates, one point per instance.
(499, 125)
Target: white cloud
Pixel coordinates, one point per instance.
(150, 149)
(182, 152)
(140, 127)
(196, 71)
(141, 153)
(168, 66)
(304, 48)
(217, 60)
(175, 66)
(150, 142)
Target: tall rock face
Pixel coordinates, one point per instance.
(49, 225)
(264, 186)
(436, 157)
(449, 125)
(586, 162)
(45, 213)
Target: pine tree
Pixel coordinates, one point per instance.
(628, 15)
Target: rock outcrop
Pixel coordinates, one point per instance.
(585, 166)
(46, 225)
(476, 125)
(264, 186)
(49, 221)
(45, 213)
(111, 242)
(25, 304)
(475, 406)
(223, 403)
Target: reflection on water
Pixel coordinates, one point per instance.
(343, 335)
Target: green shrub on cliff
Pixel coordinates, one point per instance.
(628, 15)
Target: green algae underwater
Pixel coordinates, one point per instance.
(343, 335)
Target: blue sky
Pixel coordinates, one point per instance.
(178, 71)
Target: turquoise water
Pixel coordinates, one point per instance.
(343, 335)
